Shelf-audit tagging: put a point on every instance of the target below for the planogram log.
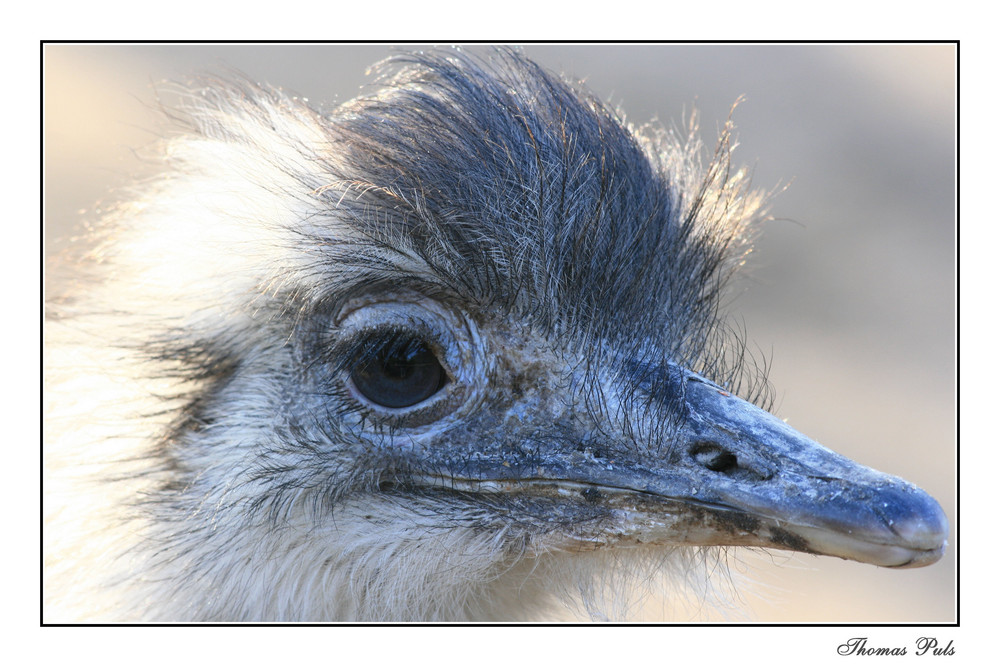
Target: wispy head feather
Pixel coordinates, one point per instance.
(234, 481)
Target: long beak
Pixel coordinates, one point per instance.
(772, 486)
(728, 474)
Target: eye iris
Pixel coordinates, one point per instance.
(401, 373)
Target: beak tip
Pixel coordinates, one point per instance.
(931, 526)
(911, 531)
(924, 529)
(916, 518)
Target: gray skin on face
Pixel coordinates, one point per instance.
(628, 453)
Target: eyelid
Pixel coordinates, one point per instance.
(399, 314)
(363, 327)
(365, 344)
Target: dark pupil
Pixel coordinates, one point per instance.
(402, 373)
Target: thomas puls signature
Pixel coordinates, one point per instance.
(922, 646)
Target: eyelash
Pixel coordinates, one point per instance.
(363, 346)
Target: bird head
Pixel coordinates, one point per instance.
(474, 303)
(525, 319)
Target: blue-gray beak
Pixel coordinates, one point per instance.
(787, 490)
(726, 473)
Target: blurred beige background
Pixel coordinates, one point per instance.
(851, 290)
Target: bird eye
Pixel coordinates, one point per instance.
(398, 373)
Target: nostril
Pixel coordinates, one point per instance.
(714, 457)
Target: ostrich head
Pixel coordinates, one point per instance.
(445, 353)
